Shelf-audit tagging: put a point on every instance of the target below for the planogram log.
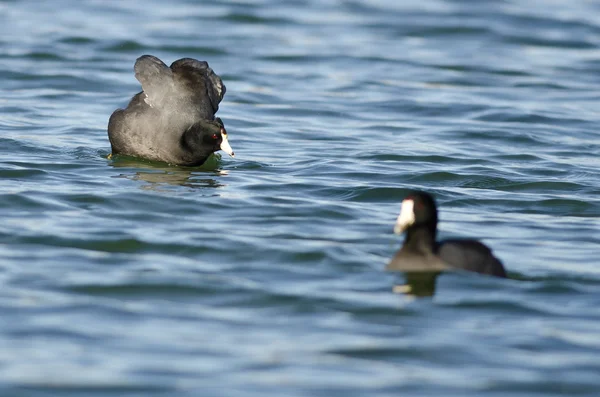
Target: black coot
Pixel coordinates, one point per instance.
(173, 118)
(422, 253)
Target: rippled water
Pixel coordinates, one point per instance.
(263, 274)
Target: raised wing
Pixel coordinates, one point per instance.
(197, 80)
(156, 79)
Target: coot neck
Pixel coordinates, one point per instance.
(421, 238)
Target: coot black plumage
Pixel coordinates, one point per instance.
(173, 118)
(422, 253)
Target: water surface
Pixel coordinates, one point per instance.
(263, 275)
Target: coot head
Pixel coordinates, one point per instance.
(418, 209)
(204, 138)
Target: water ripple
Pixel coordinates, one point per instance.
(263, 274)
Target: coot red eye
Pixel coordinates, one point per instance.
(214, 137)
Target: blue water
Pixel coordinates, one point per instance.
(262, 275)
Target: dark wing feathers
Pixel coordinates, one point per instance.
(470, 255)
(207, 87)
(156, 78)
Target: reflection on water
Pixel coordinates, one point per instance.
(160, 175)
(338, 108)
(418, 284)
(177, 178)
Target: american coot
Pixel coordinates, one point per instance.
(422, 253)
(173, 118)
